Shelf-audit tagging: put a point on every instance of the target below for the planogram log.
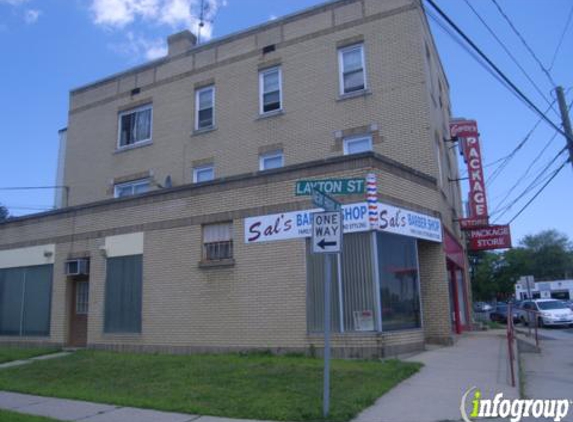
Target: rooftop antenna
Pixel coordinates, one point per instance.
(204, 16)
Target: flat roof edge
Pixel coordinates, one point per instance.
(209, 44)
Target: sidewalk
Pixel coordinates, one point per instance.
(549, 374)
(75, 410)
(434, 394)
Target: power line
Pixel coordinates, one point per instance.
(531, 186)
(508, 20)
(510, 54)
(497, 171)
(507, 81)
(539, 191)
(561, 39)
(32, 187)
(526, 172)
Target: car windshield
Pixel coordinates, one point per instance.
(551, 305)
(501, 307)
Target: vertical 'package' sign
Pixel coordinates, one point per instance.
(478, 201)
(468, 132)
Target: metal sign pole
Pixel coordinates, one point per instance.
(327, 286)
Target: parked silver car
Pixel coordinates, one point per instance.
(549, 312)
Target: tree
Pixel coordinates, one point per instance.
(4, 214)
(547, 255)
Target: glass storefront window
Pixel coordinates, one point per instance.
(399, 291)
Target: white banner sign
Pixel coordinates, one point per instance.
(298, 224)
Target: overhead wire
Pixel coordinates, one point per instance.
(567, 23)
(539, 191)
(514, 89)
(530, 187)
(510, 54)
(526, 45)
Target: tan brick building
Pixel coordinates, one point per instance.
(180, 196)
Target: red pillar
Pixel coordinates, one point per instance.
(454, 283)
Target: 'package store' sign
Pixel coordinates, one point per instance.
(298, 224)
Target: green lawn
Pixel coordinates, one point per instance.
(8, 354)
(6, 416)
(253, 386)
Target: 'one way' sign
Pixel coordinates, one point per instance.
(327, 232)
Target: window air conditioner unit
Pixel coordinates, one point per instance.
(77, 267)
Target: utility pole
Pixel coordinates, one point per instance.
(566, 121)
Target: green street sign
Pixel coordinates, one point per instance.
(322, 200)
(331, 186)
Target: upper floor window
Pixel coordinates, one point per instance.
(270, 88)
(134, 187)
(357, 144)
(203, 173)
(352, 70)
(218, 241)
(135, 126)
(271, 160)
(205, 108)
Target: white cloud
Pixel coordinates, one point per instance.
(136, 46)
(174, 13)
(13, 2)
(272, 17)
(31, 16)
(150, 14)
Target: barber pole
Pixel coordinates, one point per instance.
(372, 199)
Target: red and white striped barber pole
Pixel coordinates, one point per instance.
(372, 199)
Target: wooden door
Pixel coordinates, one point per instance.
(79, 314)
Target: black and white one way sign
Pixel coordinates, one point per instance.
(326, 232)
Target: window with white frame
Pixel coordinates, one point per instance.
(134, 126)
(271, 160)
(205, 108)
(352, 69)
(357, 144)
(218, 241)
(203, 173)
(82, 297)
(270, 88)
(134, 187)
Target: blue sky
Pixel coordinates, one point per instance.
(51, 46)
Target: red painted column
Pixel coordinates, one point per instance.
(454, 283)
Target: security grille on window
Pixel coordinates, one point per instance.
(271, 160)
(352, 73)
(205, 106)
(135, 126)
(218, 241)
(135, 187)
(203, 174)
(357, 144)
(271, 91)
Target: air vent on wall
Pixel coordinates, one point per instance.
(269, 48)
